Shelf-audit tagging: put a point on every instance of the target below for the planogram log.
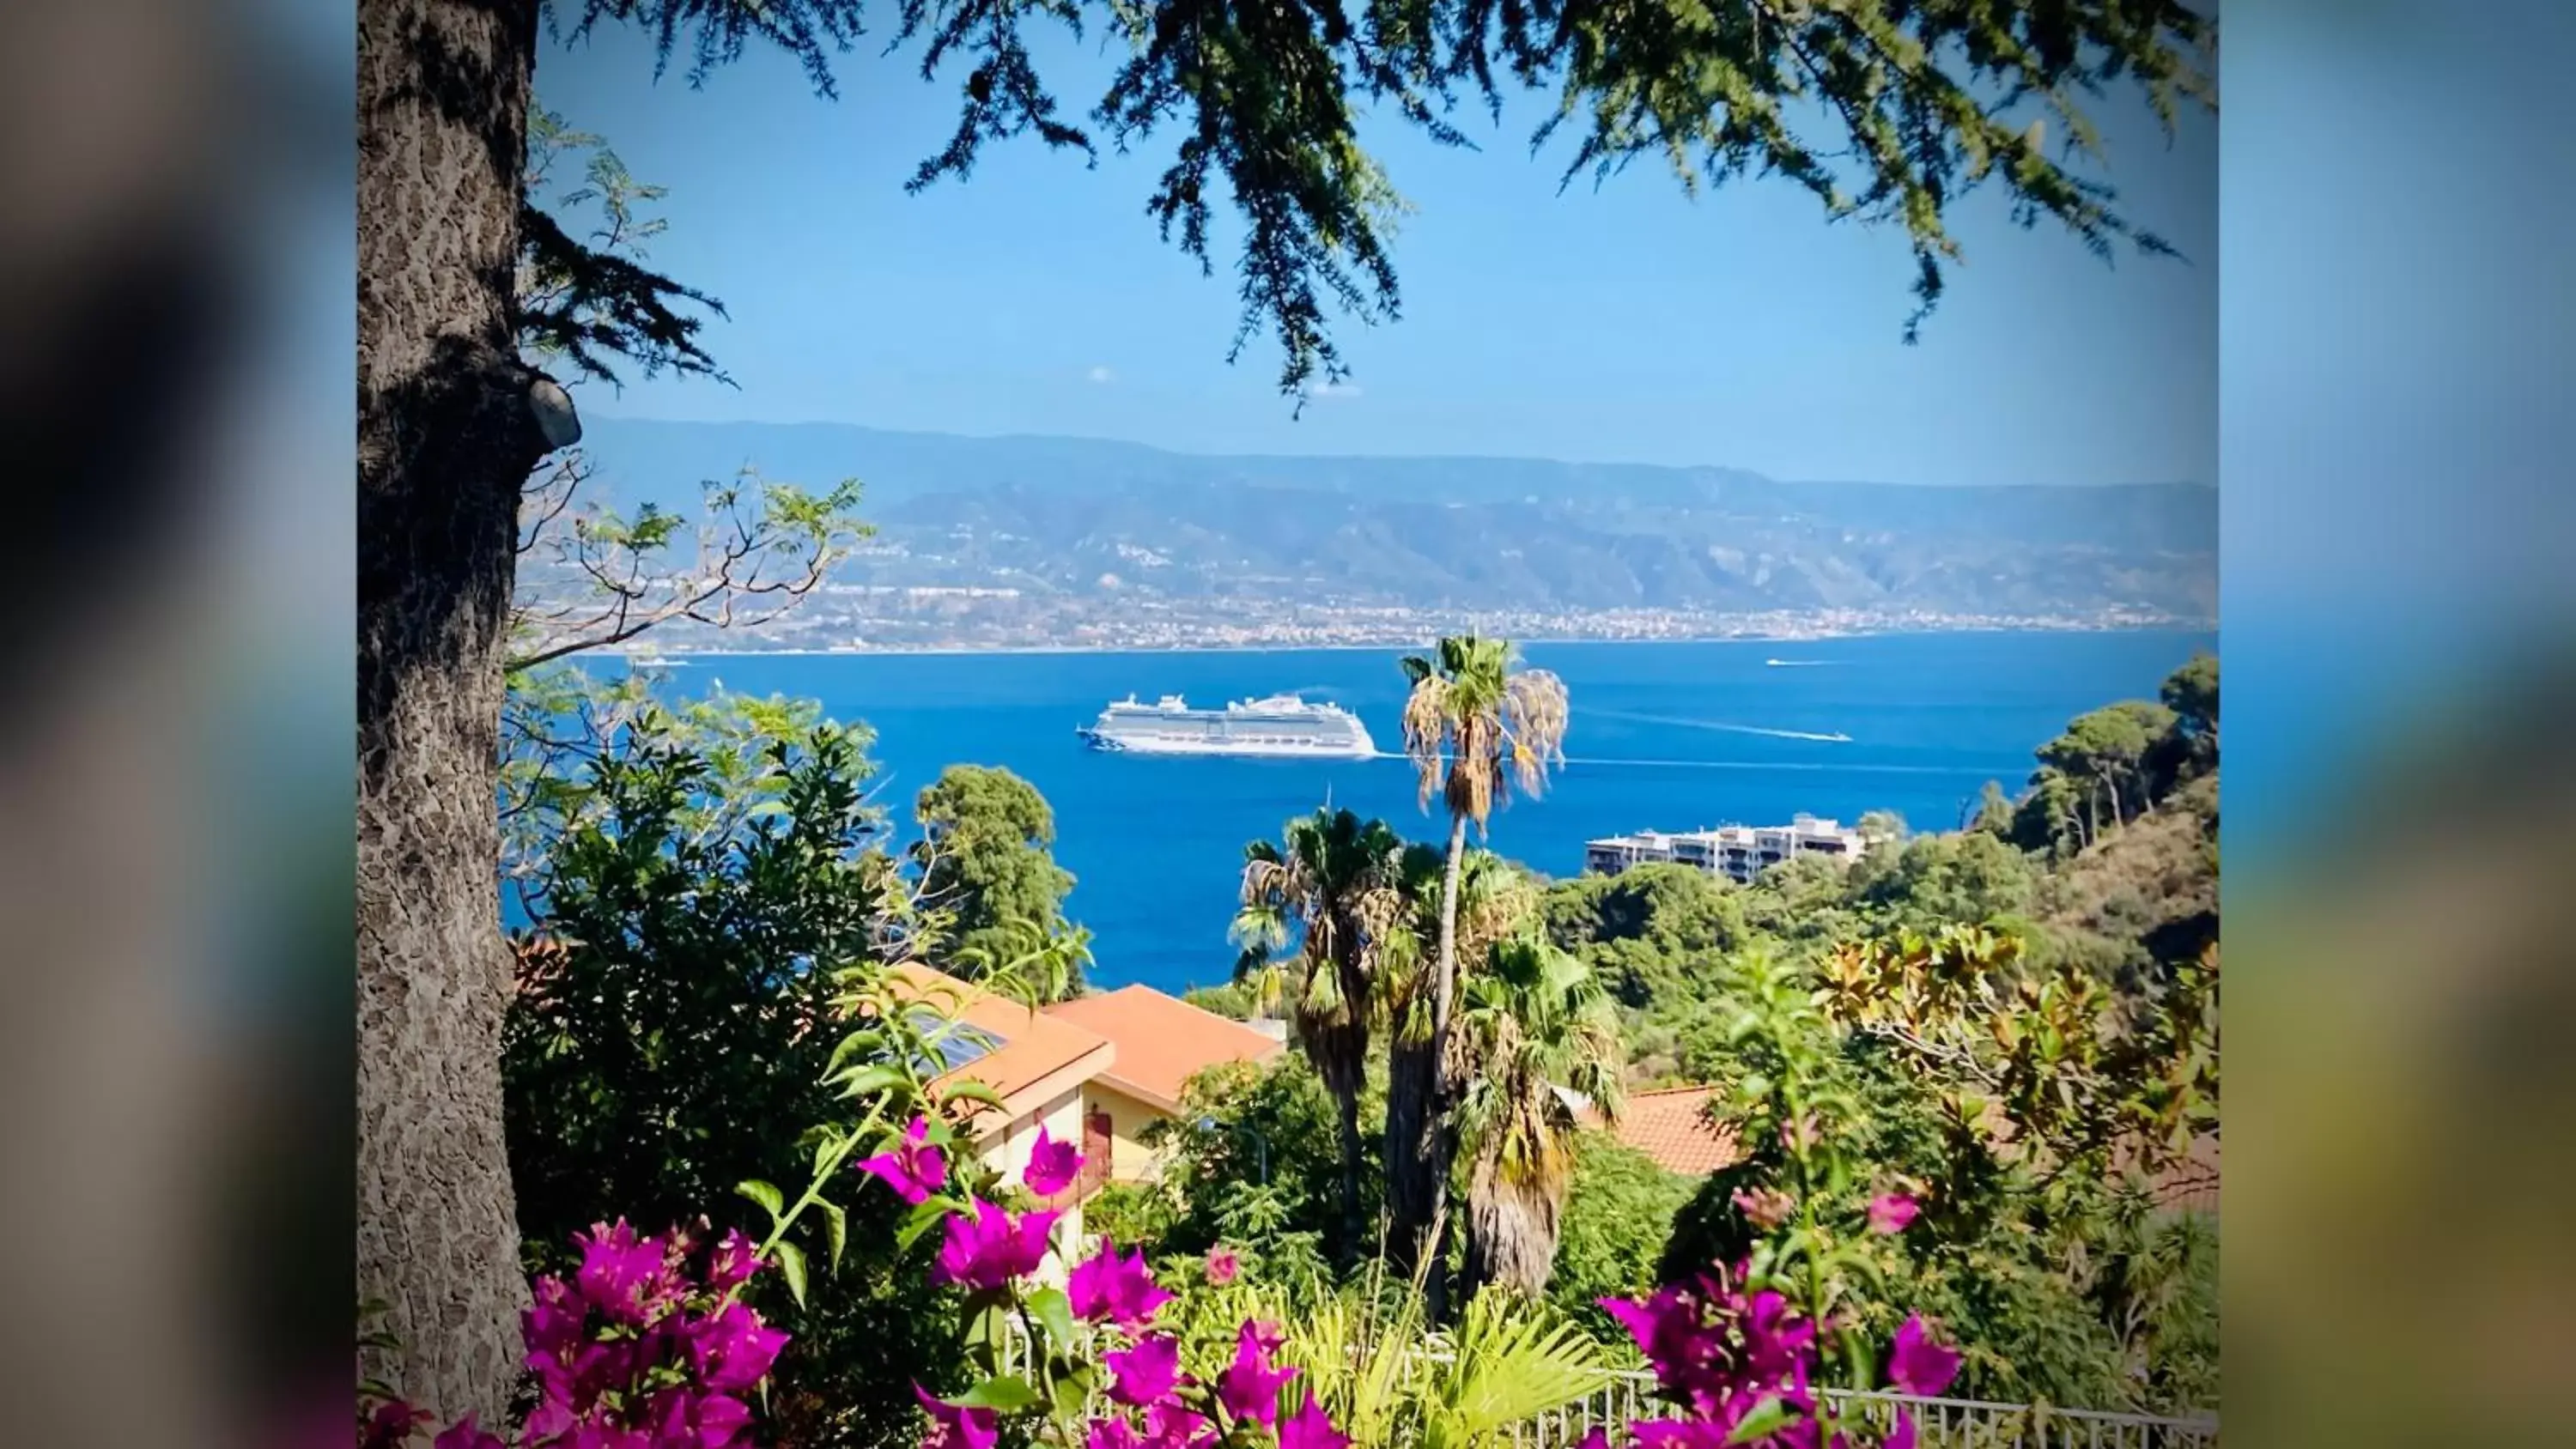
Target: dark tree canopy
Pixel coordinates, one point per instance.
(984, 857)
(1885, 110)
(2191, 692)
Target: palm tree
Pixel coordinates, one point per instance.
(1330, 888)
(1475, 728)
(1493, 902)
(1533, 1027)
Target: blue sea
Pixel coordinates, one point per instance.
(1664, 736)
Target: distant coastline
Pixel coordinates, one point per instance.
(651, 654)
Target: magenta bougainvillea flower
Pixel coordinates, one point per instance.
(1775, 1345)
(1145, 1373)
(1892, 1212)
(733, 1349)
(1106, 1288)
(1764, 1207)
(1169, 1426)
(1916, 1364)
(733, 1262)
(1720, 1355)
(1222, 1265)
(466, 1434)
(680, 1416)
(1677, 1434)
(914, 1169)
(621, 1274)
(1308, 1428)
(391, 1425)
(1249, 1387)
(1671, 1330)
(954, 1428)
(637, 1349)
(1052, 1165)
(992, 1247)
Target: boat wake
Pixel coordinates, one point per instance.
(1797, 663)
(1733, 729)
(1608, 762)
(1766, 765)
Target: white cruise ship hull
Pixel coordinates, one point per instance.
(1145, 744)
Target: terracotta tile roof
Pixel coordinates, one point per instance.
(1036, 1057)
(1671, 1126)
(2193, 1181)
(1162, 1040)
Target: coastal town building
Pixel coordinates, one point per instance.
(1161, 1042)
(1098, 1070)
(1738, 852)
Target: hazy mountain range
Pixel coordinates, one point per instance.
(1075, 517)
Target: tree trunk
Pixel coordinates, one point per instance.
(1410, 1089)
(1439, 1144)
(1511, 1235)
(1418, 1089)
(1444, 985)
(2118, 818)
(1352, 1232)
(446, 434)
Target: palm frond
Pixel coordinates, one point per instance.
(1508, 1366)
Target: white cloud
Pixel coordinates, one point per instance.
(1101, 374)
(1332, 389)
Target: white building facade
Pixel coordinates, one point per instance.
(1738, 852)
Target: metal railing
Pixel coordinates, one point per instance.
(1630, 1395)
(1951, 1423)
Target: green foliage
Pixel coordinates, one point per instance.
(1252, 1162)
(1131, 1214)
(1233, 1000)
(1533, 1024)
(1361, 1350)
(1647, 931)
(985, 861)
(1944, 879)
(2027, 1108)
(1331, 893)
(584, 292)
(706, 878)
(1618, 1217)
(2191, 692)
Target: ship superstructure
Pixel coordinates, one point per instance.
(1278, 725)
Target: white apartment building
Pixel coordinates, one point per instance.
(1738, 852)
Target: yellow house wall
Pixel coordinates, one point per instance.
(1007, 1151)
(1130, 1160)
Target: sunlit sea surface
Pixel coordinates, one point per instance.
(1664, 736)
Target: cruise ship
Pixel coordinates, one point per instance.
(1281, 725)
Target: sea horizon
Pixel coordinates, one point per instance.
(1689, 735)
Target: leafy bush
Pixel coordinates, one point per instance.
(664, 1043)
(1617, 1220)
(1253, 1162)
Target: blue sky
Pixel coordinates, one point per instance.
(1625, 323)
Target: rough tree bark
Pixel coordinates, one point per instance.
(1511, 1236)
(446, 435)
(1353, 1228)
(1420, 1144)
